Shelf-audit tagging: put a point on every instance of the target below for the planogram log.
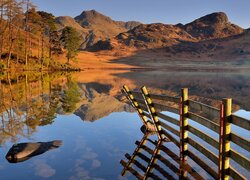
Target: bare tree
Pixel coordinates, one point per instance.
(14, 16)
(3, 24)
(26, 32)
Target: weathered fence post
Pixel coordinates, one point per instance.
(183, 128)
(132, 100)
(225, 130)
(221, 141)
(152, 111)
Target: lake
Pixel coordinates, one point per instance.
(88, 114)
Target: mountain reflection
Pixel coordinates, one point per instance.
(205, 84)
(30, 100)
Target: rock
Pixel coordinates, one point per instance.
(211, 26)
(101, 45)
(24, 151)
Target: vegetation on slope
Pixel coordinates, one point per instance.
(29, 39)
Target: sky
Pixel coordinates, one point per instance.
(152, 11)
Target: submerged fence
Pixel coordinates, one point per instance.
(150, 108)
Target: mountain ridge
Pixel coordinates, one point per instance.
(94, 26)
(208, 35)
(211, 36)
(214, 25)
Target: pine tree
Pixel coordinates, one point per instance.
(71, 42)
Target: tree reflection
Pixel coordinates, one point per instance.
(33, 99)
(71, 96)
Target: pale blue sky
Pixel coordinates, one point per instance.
(149, 11)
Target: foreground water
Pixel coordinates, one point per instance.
(88, 113)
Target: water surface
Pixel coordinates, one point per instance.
(88, 113)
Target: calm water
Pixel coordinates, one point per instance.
(88, 113)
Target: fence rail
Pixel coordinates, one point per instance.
(241, 122)
(219, 121)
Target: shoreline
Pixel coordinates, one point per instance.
(168, 68)
(108, 61)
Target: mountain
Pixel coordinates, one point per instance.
(207, 36)
(210, 37)
(63, 21)
(99, 23)
(129, 24)
(232, 47)
(154, 36)
(211, 26)
(94, 26)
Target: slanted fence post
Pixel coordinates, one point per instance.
(132, 100)
(136, 152)
(152, 111)
(153, 159)
(183, 128)
(225, 130)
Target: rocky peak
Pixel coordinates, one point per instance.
(89, 18)
(212, 26)
(101, 27)
(219, 18)
(89, 14)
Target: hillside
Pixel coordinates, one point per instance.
(212, 26)
(211, 37)
(94, 26)
(235, 47)
(154, 36)
(63, 21)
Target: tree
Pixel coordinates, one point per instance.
(14, 16)
(71, 96)
(50, 30)
(55, 43)
(71, 42)
(3, 24)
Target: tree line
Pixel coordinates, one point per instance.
(29, 37)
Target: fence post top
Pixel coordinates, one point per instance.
(227, 100)
(184, 89)
(125, 87)
(144, 90)
(184, 94)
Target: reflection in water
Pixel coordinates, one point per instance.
(24, 151)
(43, 106)
(211, 85)
(30, 100)
(157, 160)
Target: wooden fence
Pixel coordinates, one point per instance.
(150, 108)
